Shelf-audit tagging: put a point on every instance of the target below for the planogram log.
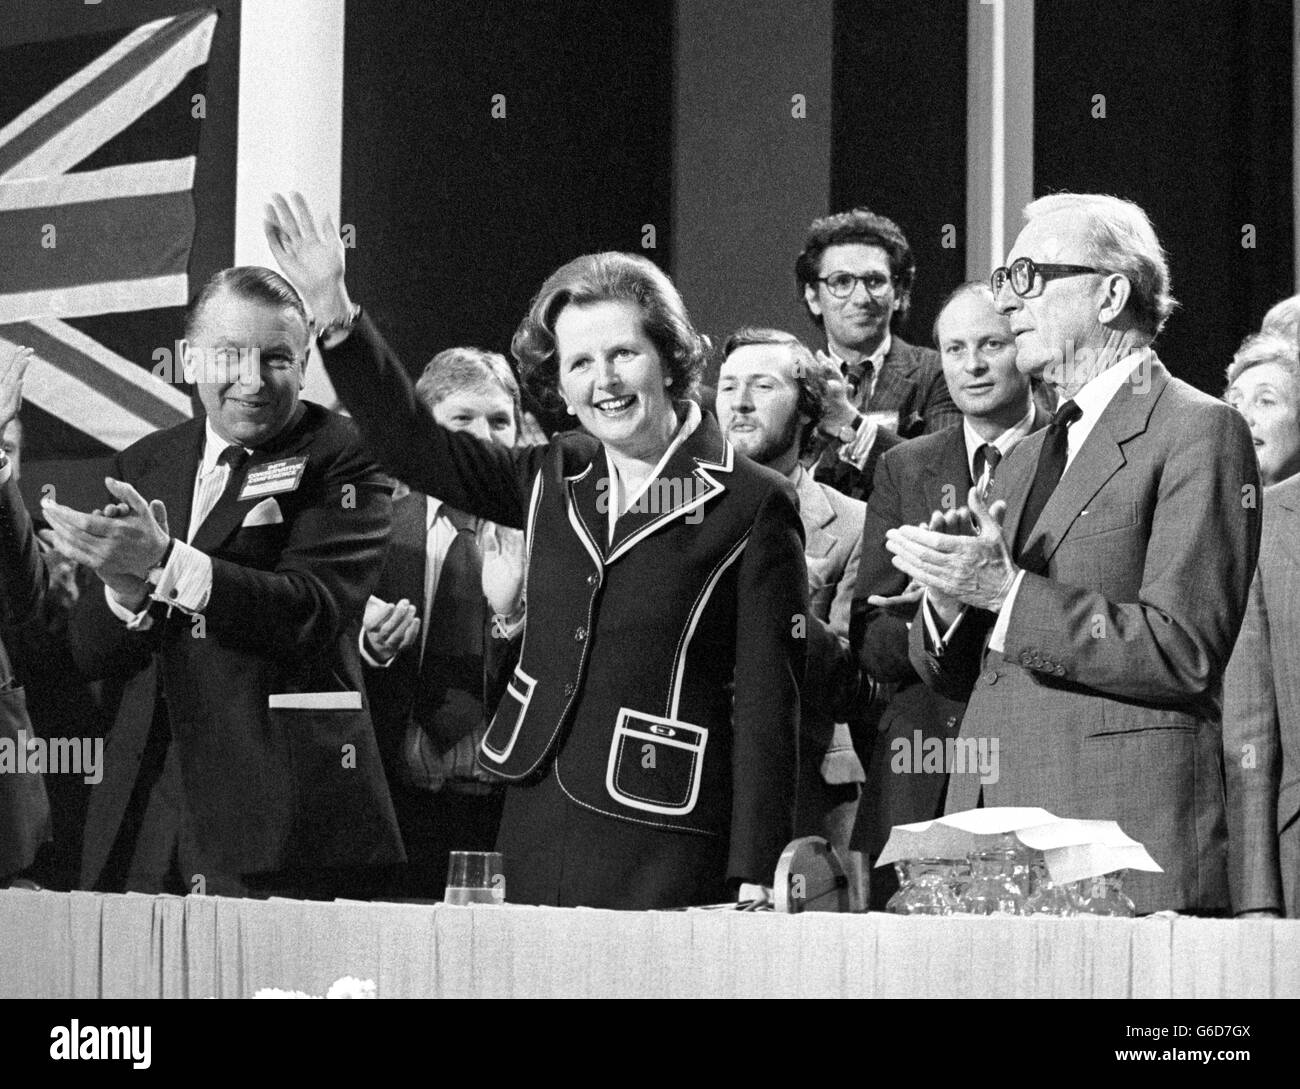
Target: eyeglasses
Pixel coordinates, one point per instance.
(1024, 274)
(841, 284)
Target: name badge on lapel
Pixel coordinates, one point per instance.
(273, 478)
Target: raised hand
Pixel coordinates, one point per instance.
(838, 410)
(13, 365)
(310, 254)
(976, 570)
(504, 560)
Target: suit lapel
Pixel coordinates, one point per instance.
(1282, 509)
(948, 479)
(894, 384)
(1099, 459)
(688, 480)
(170, 476)
(229, 511)
(816, 513)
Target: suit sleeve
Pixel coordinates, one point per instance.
(832, 679)
(772, 596)
(879, 636)
(1252, 756)
(480, 478)
(23, 577)
(1172, 645)
(330, 562)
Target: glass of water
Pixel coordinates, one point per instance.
(475, 877)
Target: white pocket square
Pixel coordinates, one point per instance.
(266, 513)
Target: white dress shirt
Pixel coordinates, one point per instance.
(684, 431)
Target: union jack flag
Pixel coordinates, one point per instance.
(98, 148)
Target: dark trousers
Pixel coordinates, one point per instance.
(433, 825)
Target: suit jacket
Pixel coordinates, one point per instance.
(264, 789)
(24, 806)
(392, 689)
(832, 525)
(631, 651)
(1261, 720)
(1106, 701)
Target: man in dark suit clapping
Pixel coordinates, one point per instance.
(931, 473)
(242, 760)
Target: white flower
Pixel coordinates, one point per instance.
(351, 987)
(275, 992)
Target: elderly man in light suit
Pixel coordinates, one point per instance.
(1090, 620)
(772, 395)
(1261, 692)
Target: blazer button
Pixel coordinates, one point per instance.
(952, 722)
(593, 579)
(991, 677)
(580, 634)
(1059, 671)
(1026, 658)
(570, 688)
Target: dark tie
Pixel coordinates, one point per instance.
(233, 455)
(1051, 464)
(858, 378)
(987, 456)
(449, 692)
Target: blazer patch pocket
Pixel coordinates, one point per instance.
(501, 736)
(655, 763)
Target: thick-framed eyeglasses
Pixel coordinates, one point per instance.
(1028, 278)
(841, 284)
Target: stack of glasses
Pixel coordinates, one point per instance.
(1005, 879)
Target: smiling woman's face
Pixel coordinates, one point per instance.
(247, 359)
(611, 375)
(1266, 396)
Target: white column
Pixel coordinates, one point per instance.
(999, 128)
(290, 123)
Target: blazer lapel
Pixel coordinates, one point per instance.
(686, 483)
(588, 507)
(895, 384)
(1100, 458)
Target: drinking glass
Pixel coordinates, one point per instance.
(922, 888)
(1105, 895)
(475, 877)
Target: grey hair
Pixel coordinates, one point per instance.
(1120, 238)
(1266, 347)
(1284, 319)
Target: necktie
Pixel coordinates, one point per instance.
(858, 377)
(448, 701)
(987, 458)
(1051, 464)
(212, 484)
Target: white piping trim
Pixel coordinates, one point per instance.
(697, 610)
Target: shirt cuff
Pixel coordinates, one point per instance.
(939, 643)
(140, 621)
(858, 450)
(6, 470)
(505, 627)
(999, 635)
(186, 580)
(368, 658)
